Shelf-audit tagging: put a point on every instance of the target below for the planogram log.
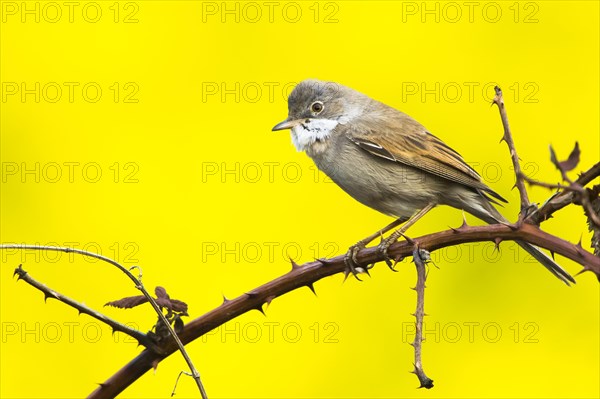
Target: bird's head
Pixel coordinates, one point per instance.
(316, 108)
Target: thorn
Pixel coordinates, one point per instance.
(462, 226)
(50, 295)
(413, 288)
(513, 227)
(260, 309)
(251, 294)
(269, 300)
(20, 272)
(580, 251)
(408, 239)
(585, 269)
(225, 300)
(294, 264)
(323, 261)
(579, 243)
(312, 288)
(497, 242)
(552, 253)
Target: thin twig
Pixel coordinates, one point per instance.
(562, 199)
(581, 194)
(309, 273)
(177, 381)
(499, 101)
(419, 257)
(138, 285)
(142, 338)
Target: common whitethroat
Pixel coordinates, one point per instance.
(388, 161)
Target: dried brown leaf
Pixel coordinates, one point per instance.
(570, 163)
(160, 292)
(128, 302)
(164, 302)
(179, 306)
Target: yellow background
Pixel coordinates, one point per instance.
(175, 211)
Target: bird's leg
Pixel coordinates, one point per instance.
(385, 243)
(350, 259)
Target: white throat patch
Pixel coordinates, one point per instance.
(307, 133)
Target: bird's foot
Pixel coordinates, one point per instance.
(383, 247)
(352, 266)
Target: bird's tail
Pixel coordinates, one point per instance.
(491, 215)
(547, 262)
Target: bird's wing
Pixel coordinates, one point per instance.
(418, 148)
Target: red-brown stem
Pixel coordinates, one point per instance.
(520, 184)
(311, 272)
(418, 258)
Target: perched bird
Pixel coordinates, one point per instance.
(388, 161)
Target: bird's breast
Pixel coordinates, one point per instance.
(385, 186)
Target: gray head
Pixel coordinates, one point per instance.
(315, 108)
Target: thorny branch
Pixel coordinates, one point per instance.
(309, 273)
(581, 196)
(499, 101)
(563, 198)
(142, 338)
(420, 257)
(138, 285)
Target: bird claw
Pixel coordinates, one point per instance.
(351, 261)
(383, 247)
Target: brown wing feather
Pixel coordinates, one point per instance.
(416, 147)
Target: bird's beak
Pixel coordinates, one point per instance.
(286, 124)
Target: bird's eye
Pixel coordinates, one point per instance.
(316, 107)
